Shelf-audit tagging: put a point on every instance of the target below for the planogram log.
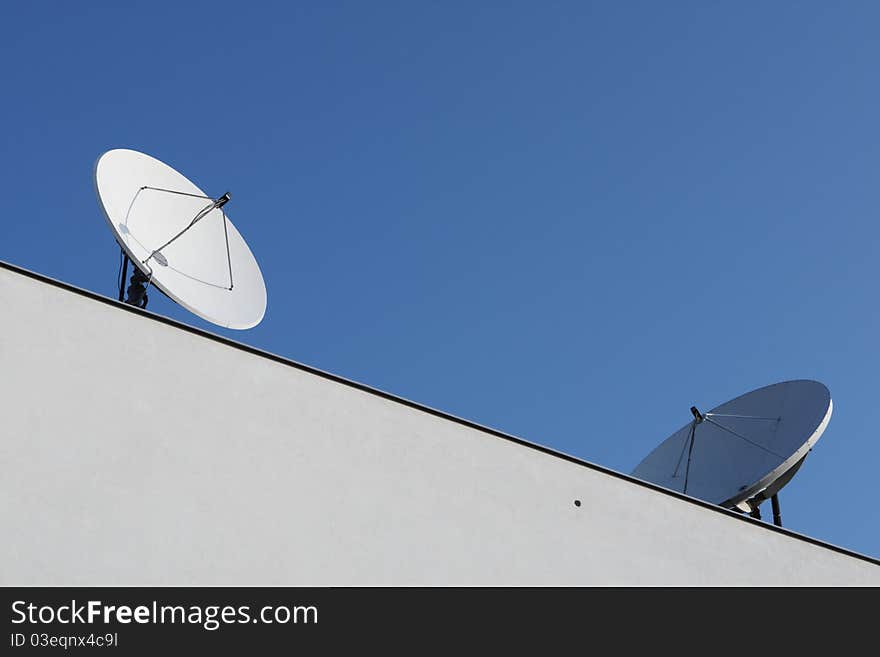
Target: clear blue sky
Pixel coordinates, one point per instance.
(568, 221)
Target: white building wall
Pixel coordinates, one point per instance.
(134, 452)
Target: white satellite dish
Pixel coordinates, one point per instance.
(742, 452)
(179, 239)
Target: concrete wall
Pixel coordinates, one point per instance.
(133, 451)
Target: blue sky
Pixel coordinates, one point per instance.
(568, 221)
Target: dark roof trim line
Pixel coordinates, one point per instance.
(427, 409)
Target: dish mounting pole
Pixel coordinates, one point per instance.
(137, 288)
(777, 514)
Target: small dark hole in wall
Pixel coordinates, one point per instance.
(577, 502)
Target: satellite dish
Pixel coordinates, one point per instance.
(742, 452)
(179, 239)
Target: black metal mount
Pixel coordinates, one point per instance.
(137, 288)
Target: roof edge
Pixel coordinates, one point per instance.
(426, 409)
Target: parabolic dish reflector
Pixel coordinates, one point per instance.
(738, 449)
(207, 267)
